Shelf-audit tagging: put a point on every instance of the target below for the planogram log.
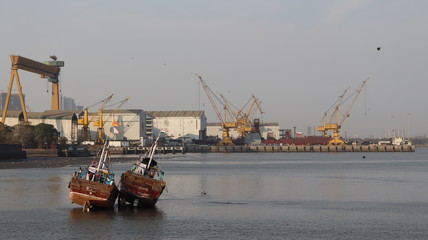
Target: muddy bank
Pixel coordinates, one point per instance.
(56, 162)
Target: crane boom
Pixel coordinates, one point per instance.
(29, 65)
(209, 93)
(119, 105)
(335, 113)
(225, 125)
(244, 121)
(226, 109)
(100, 123)
(335, 126)
(357, 93)
(85, 121)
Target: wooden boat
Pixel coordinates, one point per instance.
(143, 184)
(94, 186)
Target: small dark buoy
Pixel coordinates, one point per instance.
(378, 48)
(364, 156)
(203, 193)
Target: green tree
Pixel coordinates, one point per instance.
(45, 135)
(24, 134)
(5, 134)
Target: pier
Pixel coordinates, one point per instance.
(302, 148)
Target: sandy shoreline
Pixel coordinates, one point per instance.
(54, 162)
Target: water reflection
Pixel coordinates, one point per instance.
(302, 196)
(125, 223)
(152, 213)
(77, 214)
(54, 179)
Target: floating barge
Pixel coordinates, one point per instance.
(302, 148)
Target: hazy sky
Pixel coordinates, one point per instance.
(297, 57)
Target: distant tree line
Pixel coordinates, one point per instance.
(29, 136)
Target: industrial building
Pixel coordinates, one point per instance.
(134, 125)
(131, 123)
(179, 124)
(65, 122)
(267, 130)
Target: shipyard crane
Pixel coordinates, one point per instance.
(334, 127)
(243, 116)
(85, 120)
(226, 126)
(119, 105)
(245, 125)
(113, 112)
(100, 123)
(227, 110)
(327, 120)
(49, 70)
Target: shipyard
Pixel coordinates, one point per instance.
(131, 130)
(213, 120)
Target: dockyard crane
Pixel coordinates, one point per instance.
(100, 132)
(245, 125)
(334, 127)
(227, 110)
(100, 123)
(226, 126)
(243, 116)
(49, 70)
(85, 120)
(328, 120)
(118, 106)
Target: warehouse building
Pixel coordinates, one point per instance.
(131, 123)
(65, 122)
(179, 124)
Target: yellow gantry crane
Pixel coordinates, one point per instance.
(226, 126)
(49, 70)
(335, 126)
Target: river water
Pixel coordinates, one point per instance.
(236, 196)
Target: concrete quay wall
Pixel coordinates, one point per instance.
(301, 148)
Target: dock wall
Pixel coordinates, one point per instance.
(301, 148)
(263, 148)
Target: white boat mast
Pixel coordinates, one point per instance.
(103, 157)
(153, 150)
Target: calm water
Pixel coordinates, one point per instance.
(248, 196)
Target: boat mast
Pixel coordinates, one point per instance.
(102, 158)
(153, 149)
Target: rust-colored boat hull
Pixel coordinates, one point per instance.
(143, 189)
(92, 194)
